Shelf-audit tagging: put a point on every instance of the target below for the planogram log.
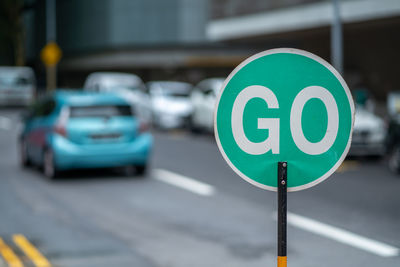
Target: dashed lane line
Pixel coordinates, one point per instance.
(9, 256)
(342, 236)
(301, 222)
(30, 251)
(183, 182)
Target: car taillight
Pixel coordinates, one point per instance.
(60, 126)
(60, 129)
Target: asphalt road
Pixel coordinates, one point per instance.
(167, 218)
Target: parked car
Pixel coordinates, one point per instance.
(170, 102)
(17, 86)
(70, 130)
(369, 134)
(203, 99)
(129, 86)
(393, 137)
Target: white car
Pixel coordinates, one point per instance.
(170, 103)
(129, 86)
(17, 86)
(203, 98)
(369, 134)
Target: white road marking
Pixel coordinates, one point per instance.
(342, 236)
(183, 182)
(313, 226)
(5, 123)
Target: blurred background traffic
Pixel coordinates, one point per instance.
(100, 94)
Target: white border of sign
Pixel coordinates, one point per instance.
(289, 51)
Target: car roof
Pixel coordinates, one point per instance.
(113, 75)
(170, 85)
(9, 70)
(167, 82)
(215, 83)
(85, 98)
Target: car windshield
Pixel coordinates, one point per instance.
(129, 83)
(122, 86)
(100, 111)
(172, 89)
(7, 80)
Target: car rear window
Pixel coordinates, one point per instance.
(179, 93)
(100, 111)
(14, 80)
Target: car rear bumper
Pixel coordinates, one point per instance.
(367, 149)
(171, 121)
(9, 99)
(68, 155)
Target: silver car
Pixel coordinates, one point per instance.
(170, 103)
(369, 134)
(127, 85)
(204, 97)
(17, 86)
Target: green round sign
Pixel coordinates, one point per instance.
(284, 105)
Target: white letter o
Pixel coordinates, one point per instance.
(295, 120)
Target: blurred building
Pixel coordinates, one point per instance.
(371, 33)
(157, 39)
(192, 39)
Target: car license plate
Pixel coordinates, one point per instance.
(105, 136)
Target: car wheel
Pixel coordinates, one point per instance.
(23, 154)
(394, 160)
(49, 168)
(141, 169)
(192, 126)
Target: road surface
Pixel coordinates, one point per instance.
(191, 209)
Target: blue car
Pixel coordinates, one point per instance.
(72, 130)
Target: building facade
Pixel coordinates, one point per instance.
(194, 39)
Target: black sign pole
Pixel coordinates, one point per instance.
(282, 213)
